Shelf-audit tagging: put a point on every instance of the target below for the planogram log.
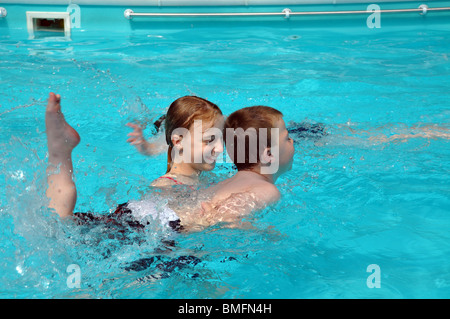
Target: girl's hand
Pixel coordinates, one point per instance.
(137, 136)
(137, 139)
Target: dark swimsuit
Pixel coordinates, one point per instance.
(122, 217)
(121, 222)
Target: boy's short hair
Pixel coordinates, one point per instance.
(249, 120)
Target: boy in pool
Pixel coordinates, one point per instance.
(253, 186)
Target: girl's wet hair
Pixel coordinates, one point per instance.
(182, 113)
(255, 117)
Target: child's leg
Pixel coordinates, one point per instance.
(61, 140)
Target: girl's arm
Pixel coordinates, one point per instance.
(142, 145)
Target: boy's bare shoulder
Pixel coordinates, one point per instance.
(267, 192)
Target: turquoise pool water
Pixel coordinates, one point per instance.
(350, 201)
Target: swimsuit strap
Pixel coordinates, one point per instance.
(177, 182)
(172, 179)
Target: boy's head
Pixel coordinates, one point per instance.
(256, 137)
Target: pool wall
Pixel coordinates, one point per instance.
(111, 16)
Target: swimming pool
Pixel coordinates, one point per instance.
(351, 200)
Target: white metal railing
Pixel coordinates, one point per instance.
(197, 3)
(287, 13)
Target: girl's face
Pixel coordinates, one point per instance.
(206, 143)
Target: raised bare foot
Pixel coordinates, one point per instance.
(61, 137)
